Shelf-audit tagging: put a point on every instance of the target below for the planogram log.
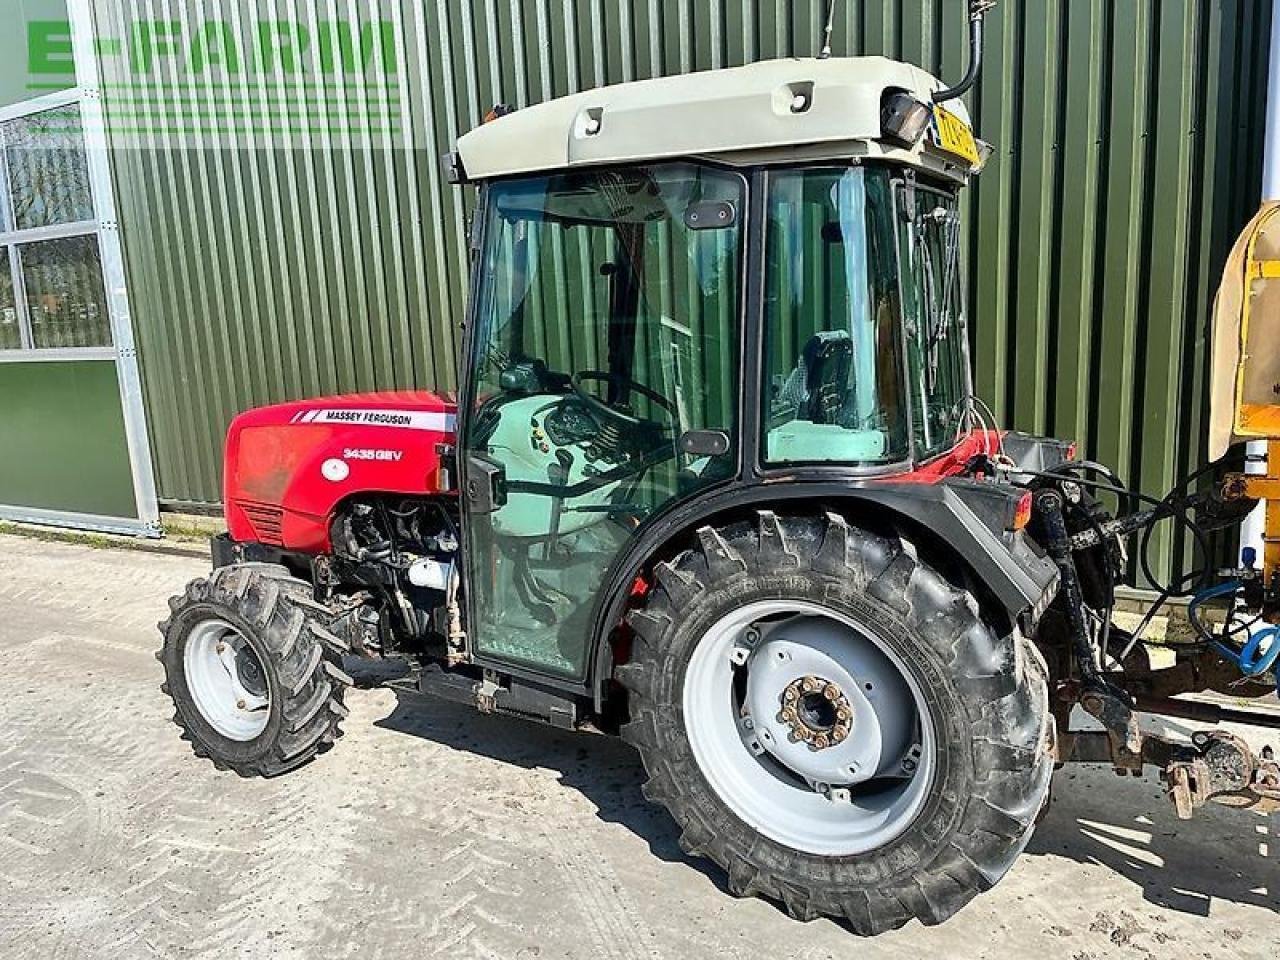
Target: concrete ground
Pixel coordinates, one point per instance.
(432, 831)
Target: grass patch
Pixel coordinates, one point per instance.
(98, 541)
(104, 541)
(179, 530)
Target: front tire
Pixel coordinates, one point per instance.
(254, 675)
(965, 739)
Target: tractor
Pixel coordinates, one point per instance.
(716, 481)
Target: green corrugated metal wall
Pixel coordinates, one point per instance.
(1129, 144)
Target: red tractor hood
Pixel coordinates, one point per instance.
(288, 466)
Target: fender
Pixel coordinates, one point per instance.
(972, 520)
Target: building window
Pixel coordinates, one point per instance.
(10, 335)
(65, 298)
(52, 295)
(48, 173)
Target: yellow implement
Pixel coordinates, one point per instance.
(1246, 366)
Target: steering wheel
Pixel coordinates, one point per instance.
(624, 385)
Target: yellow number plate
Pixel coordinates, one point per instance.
(954, 136)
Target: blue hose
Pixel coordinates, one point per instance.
(1252, 659)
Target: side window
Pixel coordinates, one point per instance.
(934, 318)
(833, 374)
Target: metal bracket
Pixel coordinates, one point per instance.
(908, 195)
(1121, 725)
(1223, 769)
(1216, 767)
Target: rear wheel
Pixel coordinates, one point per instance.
(254, 675)
(833, 723)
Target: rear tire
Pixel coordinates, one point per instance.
(254, 675)
(984, 696)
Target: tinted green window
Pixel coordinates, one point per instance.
(833, 390)
(10, 335)
(608, 330)
(65, 296)
(934, 315)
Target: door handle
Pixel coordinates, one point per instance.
(704, 443)
(485, 484)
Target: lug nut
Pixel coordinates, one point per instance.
(220, 648)
(831, 692)
(240, 704)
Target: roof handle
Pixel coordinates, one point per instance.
(977, 10)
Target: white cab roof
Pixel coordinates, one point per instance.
(740, 115)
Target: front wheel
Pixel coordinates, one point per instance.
(255, 676)
(833, 723)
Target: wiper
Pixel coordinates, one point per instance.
(938, 303)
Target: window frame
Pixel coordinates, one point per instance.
(480, 293)
(13, 240)
(921, 455)
(746, 347)
(763, 465)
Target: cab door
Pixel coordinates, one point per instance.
(601, 390)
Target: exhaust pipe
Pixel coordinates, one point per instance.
(977, 10)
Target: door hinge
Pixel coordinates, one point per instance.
(908, 196)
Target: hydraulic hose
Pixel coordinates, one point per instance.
(977, 10)
(1260, 652)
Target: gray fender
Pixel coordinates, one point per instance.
(969, 519)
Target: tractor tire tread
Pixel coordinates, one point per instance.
(305, 655)
(1001, 683)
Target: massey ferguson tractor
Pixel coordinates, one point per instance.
(716, 481)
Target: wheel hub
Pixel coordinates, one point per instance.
(809, 727)
(816, 711)
(825, 704)
(249, 672)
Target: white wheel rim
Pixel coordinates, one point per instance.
(220, 670)
(840, 799)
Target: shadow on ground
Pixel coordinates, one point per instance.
(1128, 825)
(1124, 824)
(603, 769)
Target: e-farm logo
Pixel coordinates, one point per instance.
(242, 82)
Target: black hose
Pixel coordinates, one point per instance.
(975, 64)
(1175, 505)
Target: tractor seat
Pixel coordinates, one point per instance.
(816, 389)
